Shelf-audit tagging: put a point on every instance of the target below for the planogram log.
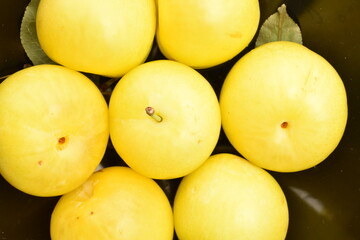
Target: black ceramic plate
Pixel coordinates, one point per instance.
(324, 202)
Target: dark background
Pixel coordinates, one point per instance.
(324, 201)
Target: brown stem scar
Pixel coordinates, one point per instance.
(284, 125)
(61, 140)
(150, 111)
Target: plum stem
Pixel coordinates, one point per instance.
(106, 85)
(4, 77)
(151, 112)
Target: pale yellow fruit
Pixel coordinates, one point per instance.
(114, 203)
(284, 107)
(203, 34)
(190, 125)
(107, 37)
(53, 129)
(229, 198)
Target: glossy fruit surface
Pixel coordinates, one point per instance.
(53, 129)
(230, 198)
(204, 35)
(114, 203)
(284, 107)
(106, 37)
(190, 125)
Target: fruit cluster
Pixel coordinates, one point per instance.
(282, 107)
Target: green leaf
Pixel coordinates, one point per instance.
(279, 27)
(28, 36)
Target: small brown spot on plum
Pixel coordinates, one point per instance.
(40, 163)
(284, 124)
(91, 213)
(194, 189)
(235, 34)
